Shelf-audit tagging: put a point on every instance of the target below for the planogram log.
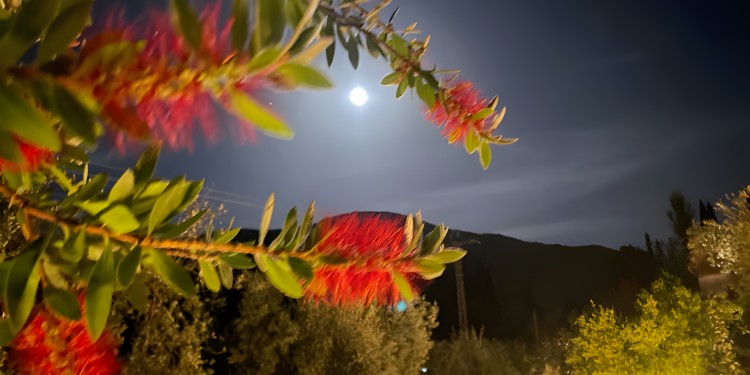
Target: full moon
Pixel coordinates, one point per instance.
(358, 96)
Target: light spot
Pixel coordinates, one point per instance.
(358, 96)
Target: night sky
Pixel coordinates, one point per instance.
(616, 104)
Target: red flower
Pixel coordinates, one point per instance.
(167, 89)
(52, 346)
(463, 101)
(376, 247)
(33, 158)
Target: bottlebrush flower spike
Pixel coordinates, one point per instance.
(466, 111)
(373, 247)
(33, 158)
(49, 345)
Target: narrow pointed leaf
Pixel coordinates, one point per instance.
(403, 286)
(237, 260)
(65, 29)
(485, 155)
(123, 187)
(129, 266)
(301, 267)
(433, 240)
(62, 302)
(282, 278)
(259, 116)
(74, 114)
(120, 219)
(305, 76)
(137, 294)
(181, 227)
(172, 273)
(93, 187)
(449, 255)
(210, 277)
(165, 205)
(240, 13)
(265, 221)
(145, 167)
(190, 26)
(225, 275)
(23, 280)
(72, 250)
(391, 78)
(228, 236)
(99, 291)
(304, 228)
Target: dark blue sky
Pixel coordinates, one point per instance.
(616, 104)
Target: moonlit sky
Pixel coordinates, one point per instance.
(615, 103)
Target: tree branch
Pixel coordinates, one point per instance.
(178, 247)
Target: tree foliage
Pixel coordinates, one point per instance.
(274, 335)
(673, 332)
(726, 245)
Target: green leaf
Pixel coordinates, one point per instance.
(400, 45)
(15, 181)
(402, 88)
(304, 75)
(260, 260)
(332, 260)
(6, 332)
(172, 273)
(166, 204)
(237, 260)
(403, 286)
(485, 155)
(430, 79)
(301, 267)
(331, 49)
(433, 240)
(190, 26)
(391, 78)
(5, 268)
(481, 114)
(210, 277)
(304, 228)
(65, 29)
(62, 302)
(294, 12)
(471, 141)
(282, 277)
(24, 121)
(123, 187)
(99, 294)
(265, 220)
(119, 219)
(145, 167)
(129, 266)
(93, 187)
(449, 255)
(9, 149)
(137, 294)
(269, 24)
(191, 192)
(263, 59)
(244, 106)
(72, 250)
(304, 39)
(426, 93)
(31, 23)
(225, 275)
(240, 13)
(429, 269)
(181, 227)
(290, 227)
(373, 47)
(23, 280)
(353, 52)
(228, 236)
(93, 207)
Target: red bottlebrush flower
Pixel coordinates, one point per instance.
(163, 90)
(375, 245)
(33, 158)
(463, 101)
(49, 345)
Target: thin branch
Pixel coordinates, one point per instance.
(345, 21)
(180, 248)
